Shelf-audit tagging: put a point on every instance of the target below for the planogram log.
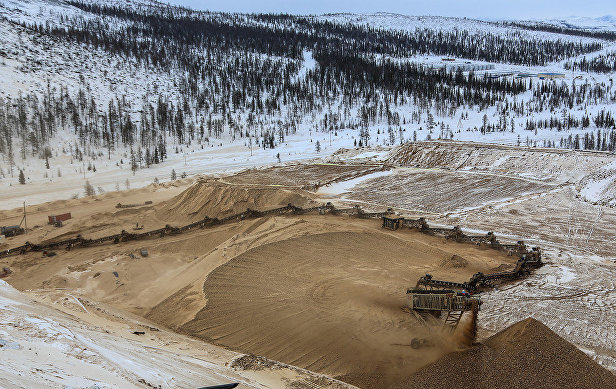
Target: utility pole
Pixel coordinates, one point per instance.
(23, 219)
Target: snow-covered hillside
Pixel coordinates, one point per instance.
(602, 23)
(92, 93)
(408, 23)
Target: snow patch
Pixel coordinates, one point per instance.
(339, 188)
(376, 155)
(594, 190)
(500, 161)
(567, 274)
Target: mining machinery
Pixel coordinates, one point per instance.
(428, 303)
(528, 261)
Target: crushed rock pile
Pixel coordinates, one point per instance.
(526, 355)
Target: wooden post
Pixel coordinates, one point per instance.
(24, 220)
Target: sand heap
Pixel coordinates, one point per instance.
(215, 199)
(526, 355)
(455, 261)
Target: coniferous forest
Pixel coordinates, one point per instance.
(247, 77)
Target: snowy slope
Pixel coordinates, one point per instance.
(30, 61)
(46, 348)
(407, 23)
(600, 187)
(603, 23)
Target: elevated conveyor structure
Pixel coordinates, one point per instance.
(435, 303)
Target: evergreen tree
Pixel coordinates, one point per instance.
(89, 189)
(133, 161)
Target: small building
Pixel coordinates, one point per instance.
(550, 76)
(525, 75)
(498, 74)
(53, 219)
(468, 67)
(392, 222)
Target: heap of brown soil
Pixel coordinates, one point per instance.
(525, 355)
(455, 261)
(215, 199)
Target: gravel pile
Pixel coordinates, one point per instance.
(526, 355)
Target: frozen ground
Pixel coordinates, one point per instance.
(342, 187)
(438, 192)
(43, 347)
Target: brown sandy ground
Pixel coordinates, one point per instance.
(63, 335)
(331, 302)
(303, 175)
(252, 188)
(90, 214)
(321, 292)
(213, 198)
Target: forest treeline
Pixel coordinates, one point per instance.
(290, 35)
(246, 77)
(603, 63)
(595, 34)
